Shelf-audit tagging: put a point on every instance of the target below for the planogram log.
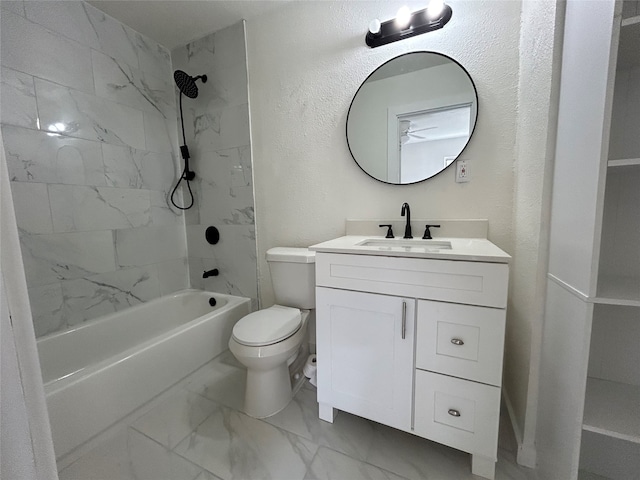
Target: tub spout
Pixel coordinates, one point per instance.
(210, 273)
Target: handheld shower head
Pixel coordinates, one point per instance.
(187, 84)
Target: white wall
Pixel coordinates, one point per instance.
(307, 184)
(306, 181)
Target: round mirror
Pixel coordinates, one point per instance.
(412, 117)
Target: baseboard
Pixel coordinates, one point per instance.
(526, 455)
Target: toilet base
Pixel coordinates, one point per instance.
(267, 392)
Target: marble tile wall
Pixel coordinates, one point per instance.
(217, 133)
(87, 111)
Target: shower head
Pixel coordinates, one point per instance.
(187, 84)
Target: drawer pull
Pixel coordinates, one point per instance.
(404, 320)
(457, 341)
(453, 413)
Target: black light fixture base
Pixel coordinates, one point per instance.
(419, 24)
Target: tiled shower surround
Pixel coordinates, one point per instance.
(217, 133)
(88, 115)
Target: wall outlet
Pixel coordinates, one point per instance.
(462, 171)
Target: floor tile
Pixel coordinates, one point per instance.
(175, 418)
(220, 381)
(233, 445)
(130, 456)
(329, 464)
(416, 458)
(348, 434)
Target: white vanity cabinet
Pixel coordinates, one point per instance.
(416, 344)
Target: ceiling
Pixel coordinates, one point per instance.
(174, 23)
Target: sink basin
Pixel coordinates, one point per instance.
(406, 245)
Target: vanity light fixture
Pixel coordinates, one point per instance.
(407, 24)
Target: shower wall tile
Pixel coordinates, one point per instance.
(89, 117)
(97, 295)
(130, 86)
(218, 50)
(217, 131)
(159, 133)
(35, 156)
(173, 275)
(101, 184)
(31, 203)
(221, 129)
(46, 308)
(15, 6)
(57, 256)
(27, 47)
(234, 256)
(148, 245)
(233, 205)
(133, 168)
(153, 58)
(17, 99)
(161, 213)
(86, 25)
(78, 208)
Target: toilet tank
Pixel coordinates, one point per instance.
(293, 274)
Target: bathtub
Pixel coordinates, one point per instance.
(99, 372)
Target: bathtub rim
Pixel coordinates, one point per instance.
(54, 385)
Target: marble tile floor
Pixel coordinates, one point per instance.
(198, 432)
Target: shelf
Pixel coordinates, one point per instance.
(612, 409)
(629, 49)
(618, 291)
(628, 22)
(623, 162)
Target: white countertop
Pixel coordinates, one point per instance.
(467, 249)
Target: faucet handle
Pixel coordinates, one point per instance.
(427, 232)
(389, 231)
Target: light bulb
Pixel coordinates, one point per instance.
(374, 26)
(403, 17)
(434, 9)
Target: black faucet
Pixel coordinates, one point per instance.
(407, 229)
(210, 273)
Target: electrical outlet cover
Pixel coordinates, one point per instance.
(462, 171)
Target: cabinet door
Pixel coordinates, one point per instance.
(365, 345)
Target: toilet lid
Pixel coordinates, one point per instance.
(268, 326)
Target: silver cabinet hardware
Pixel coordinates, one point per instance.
(404, 320)
(457, 341)
(453, 413)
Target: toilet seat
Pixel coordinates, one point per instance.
(268, 326)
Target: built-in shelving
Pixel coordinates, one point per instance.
(612, 409)
(628, 52)
(616, 290)
(624, 162)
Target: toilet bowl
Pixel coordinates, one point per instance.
(269, 388)
(272, 342)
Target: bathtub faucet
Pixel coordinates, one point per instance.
(210, 273)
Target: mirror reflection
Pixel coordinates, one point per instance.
(412, 117)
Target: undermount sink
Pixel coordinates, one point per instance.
(408, 245)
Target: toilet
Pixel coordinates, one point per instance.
(273, 343)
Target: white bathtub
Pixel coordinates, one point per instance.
(99, 372)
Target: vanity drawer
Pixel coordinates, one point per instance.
(474, 283)
(461, 340)
(457, 413)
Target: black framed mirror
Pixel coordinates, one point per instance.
(412, 117)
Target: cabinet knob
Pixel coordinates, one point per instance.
(453, 413)
(457, 341)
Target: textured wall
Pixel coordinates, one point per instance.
(96, 233)
(217, 133)
(306, 181)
